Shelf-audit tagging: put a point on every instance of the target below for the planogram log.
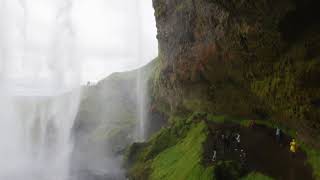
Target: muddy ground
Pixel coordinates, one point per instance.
(258, 151)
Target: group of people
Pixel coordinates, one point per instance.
(293, 144)
(229, 142)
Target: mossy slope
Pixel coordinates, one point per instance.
(183, 160)
(174, 153)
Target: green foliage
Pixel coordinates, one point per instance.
(196, 104)
(165, 139)
(176, 152)
(183, 160)
(256, 176)
(224, 119)
(141, 171)
(314, 160)
(228, 170)
(287, 86)
(133, 153)
(105, 133)
(173, 153)
(160, 8)
(183, 6)
(216, 118)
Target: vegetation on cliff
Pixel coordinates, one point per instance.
(240, 59)
(184, 150)
(173, 153)
(252, 59)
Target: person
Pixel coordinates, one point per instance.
(252, 123)
(293, 147)
(214, 157)
(237, 138)
(278, 135)
(222, 137)
(243, 157)
(227, 141)
(223, 141)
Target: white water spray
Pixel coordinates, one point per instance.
(141, 84)
(39, 94)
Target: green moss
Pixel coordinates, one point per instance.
(216, 118)
(163, 107)
(160, 8)
(183, 6)
(167, 137)
(256, 176)
(314, 160)
(287, 86)
(230, 170)
(141, 156)
(196, 104)
(105, 133)
(223, 119)
(133, 154)
(174, 152)
(183, 160)
(141, 171)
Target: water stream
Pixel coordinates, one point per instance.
(39, 93)
(40, 77)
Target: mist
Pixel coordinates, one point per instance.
(49, 49)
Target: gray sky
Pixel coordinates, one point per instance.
(55, 44)
(108, 35)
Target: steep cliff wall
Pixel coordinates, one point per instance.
(254, 59)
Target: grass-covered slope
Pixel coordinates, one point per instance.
(173, 153)
(256, 176)
(184, 149)
(183, 160)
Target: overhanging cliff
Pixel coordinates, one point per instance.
(253, 59)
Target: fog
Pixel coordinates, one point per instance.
(48, 50)
(114, 35)
(102, 36)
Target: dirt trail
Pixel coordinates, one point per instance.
(263, 153)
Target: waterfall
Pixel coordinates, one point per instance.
(142, 113)
(146, 50)
(140, 87)
(35, 137)
(39, 79)
(140, 79)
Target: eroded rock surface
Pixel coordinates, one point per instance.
(254, 59)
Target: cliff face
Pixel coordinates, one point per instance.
(253, 59)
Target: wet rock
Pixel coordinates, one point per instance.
(253, 59)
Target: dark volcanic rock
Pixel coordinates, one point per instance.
(255, 59)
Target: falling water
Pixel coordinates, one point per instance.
(39, 95)
(144, 54)
(141, 86)
(141, 106)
